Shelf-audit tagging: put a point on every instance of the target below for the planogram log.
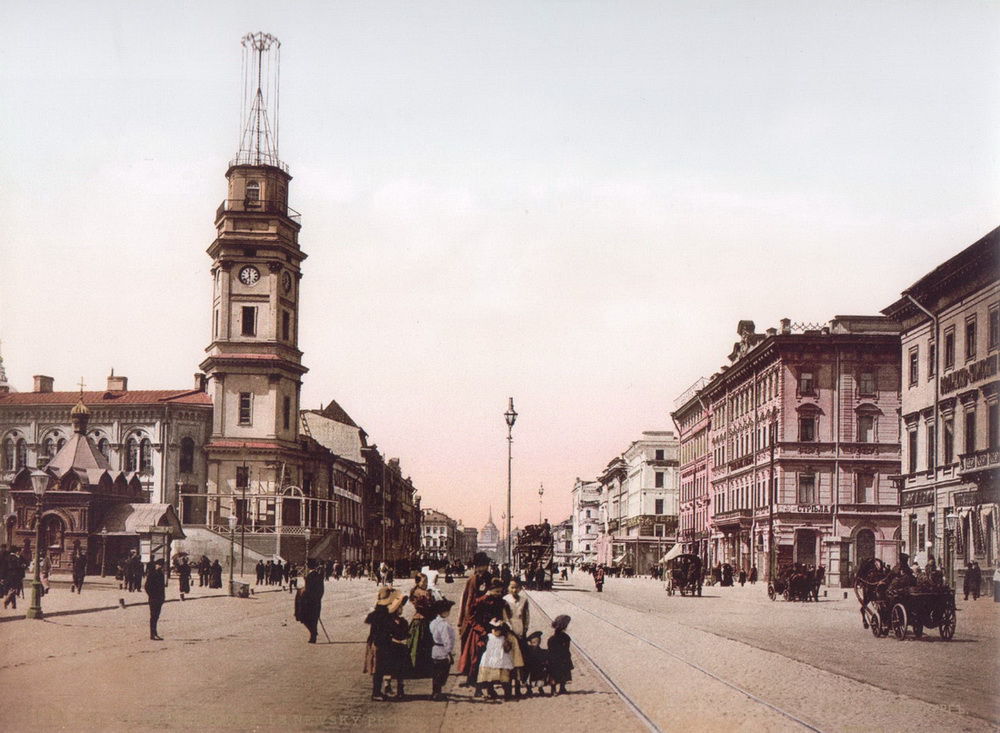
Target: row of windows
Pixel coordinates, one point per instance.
(749, 496)
(971, 345)
(968, 423)
(694, 447)
(137, 455)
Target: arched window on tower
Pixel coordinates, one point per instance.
(48, 447)
(131, 455)
(187, 455)
(253, 193)
(146, 456)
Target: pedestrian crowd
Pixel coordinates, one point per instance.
(495, 651)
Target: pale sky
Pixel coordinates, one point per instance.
(569, 203)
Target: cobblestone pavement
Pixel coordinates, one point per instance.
(240, 664)
(692, 663)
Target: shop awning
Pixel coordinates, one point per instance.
(133, 519)
(676, 550)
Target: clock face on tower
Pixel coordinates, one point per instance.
(249, 275)
(286, 282)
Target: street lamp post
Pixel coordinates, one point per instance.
(308, 534)
(232, 541)
(541, 490)
(39, 482)
(510, 416)
(104, 550)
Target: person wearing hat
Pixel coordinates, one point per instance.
(156, 591)
(535, 663)
(389, 635)
(309, 599)
(560, 661)
(484, 610)
(496, 664)
(475, 588)
(444, 638)
(420, 643)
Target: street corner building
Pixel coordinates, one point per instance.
(89, 509)
(787, 452)
(950, 321)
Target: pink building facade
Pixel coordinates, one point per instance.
(693, 420)
(803, 439)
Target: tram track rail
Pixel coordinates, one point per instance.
(634, 705)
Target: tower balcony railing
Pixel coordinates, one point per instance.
(254, 157)
(260, 206)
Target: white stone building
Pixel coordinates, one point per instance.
(586, 520)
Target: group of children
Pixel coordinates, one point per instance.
(509, 659)
(509, 655)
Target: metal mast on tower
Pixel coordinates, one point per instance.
(259, 106)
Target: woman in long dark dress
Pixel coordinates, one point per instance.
(215, 575)
(420, 642)
(184, 576)
(390, 635)
(560, 661)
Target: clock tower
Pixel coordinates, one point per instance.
(253, 358)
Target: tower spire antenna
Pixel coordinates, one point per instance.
(4, 384)
(259, 126)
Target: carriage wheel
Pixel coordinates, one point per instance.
(947, 626)
(899, 621)
(770, 592)
(787, 595)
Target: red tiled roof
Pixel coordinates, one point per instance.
(99, 399)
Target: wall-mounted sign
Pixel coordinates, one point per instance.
(976, 372)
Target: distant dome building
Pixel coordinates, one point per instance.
(489, 537)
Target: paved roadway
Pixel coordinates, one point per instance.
(687, 662)
(731, 660)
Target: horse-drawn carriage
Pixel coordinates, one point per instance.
(897, 601)
(794, 583)
(684, 575)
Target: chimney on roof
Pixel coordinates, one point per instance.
(117, 384)
(786, 325)
(772, 332)
(200, 382)
(43, 383)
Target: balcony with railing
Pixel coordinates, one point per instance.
(260, 206)
(982, 460)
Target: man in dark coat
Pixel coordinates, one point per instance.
(156, 590)
(79, 572)
(260, 572)
(184, 577)
(309, 599)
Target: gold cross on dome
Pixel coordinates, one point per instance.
(81, 384)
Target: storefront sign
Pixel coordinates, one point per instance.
(973, 498)
(982, 369)
(804, 508)
(918, 497)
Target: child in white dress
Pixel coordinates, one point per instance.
(497, 661)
